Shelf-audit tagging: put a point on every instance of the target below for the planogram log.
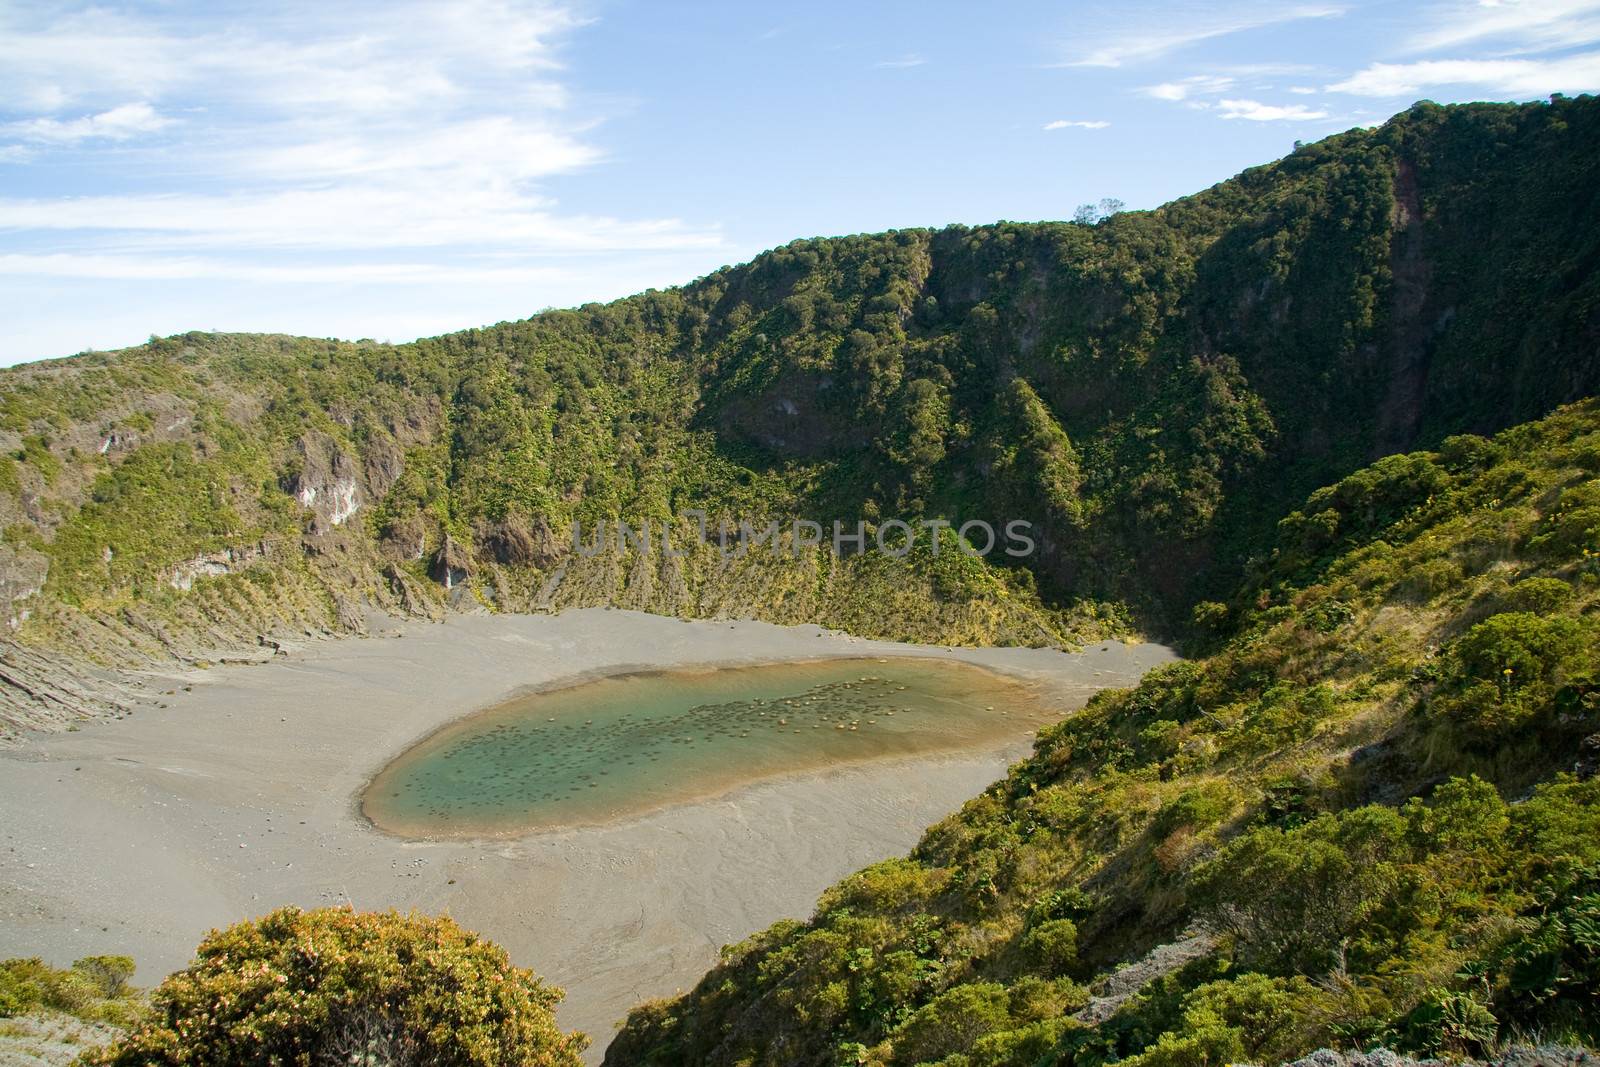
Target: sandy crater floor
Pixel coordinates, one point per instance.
(137, 836)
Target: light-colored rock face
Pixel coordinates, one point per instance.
(328, 483)
(212, 565)
(346, 500)
(341, 499)
(183, 576)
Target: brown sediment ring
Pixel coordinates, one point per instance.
(1027, 680)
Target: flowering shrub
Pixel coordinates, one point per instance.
(340, 986)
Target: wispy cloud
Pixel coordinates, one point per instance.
(1081, 124)
(1510, 25)
(905, 61)
(1255, 111)
(1134, 40)
(1511, 48)
(343, 133)
(345, 217)
(174, 268)
(1514, 77)
(117, 124)
(1199, 85)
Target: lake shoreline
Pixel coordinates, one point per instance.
(1008, 686)
(242, 795)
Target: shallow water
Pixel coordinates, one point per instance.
(621, 745)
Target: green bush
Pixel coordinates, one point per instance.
(952, 1023)
(339, 986)
(1199, 807)
(1552, 971)
(1250, 1016)
(109, 974)
(1052, 945)
(1539, 595)
(1449, 1022)
(94, 987)
(1426, 581)
(1505, 673)
(1294, 898)
(1518, 649)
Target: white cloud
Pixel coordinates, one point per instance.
(364, 55)
(1511, 25)
(1135, 39)
(1303, 90)
(1255, 111)
(904, 62)
(340, 135)
(1200, 85)
(1082, 124)
(1515, 77)
(170, 268)
(118, 124)
(472, 148)
(355, 217)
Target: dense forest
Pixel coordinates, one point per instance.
(1323, 423)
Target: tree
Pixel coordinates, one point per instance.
(336, 986)
(1091, 214)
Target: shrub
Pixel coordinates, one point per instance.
(1250, 1016)
(1506, 672)
(1021, 1047)
(1292, 899)
(1326, 616)
(1466, 452)
(340, 986)
(1463, 815)
(1428, 580)
(1210, 618)
(952, 1022)
(891, 885)
(1449, 1022)
(1052, 945)
(1538, 595)
(1553, 970)
(1198, 807)
(1529, 646)
(109, 974)
(1573, 526)
(95, 987)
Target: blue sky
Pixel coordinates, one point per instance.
(394, 170)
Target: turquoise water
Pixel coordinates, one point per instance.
(621, 745)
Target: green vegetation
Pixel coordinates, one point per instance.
(1152, 390)
(1363, 794)
(94, 989)
(337, 986)
(1253, 418)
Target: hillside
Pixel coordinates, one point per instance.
(1153, 392)
(1369, 816)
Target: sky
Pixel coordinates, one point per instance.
(394, 170)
